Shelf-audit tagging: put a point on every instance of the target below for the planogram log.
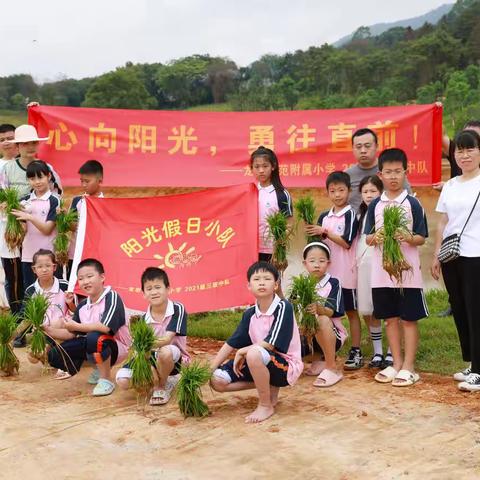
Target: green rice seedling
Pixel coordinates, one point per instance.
(8, 360)
(395, 222)
(14, 232)
(34, 313)
(140, 355)
(305, 208)
(189, 394)
(66, 225)
(281, 233)
(303, 292)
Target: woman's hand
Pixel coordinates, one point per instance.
(435, 268)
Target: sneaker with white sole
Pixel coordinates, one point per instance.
(462, 376)
(471, 384)
(354, 360)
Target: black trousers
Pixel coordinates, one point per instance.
(13, 282)
(462, 280)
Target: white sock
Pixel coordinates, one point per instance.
(389, 352)
(376, 336)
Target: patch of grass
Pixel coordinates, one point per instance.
(438, 352)
(13, 117)
(212, 107)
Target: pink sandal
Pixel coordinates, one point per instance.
(327, 378)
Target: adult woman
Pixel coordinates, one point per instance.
(462, 275)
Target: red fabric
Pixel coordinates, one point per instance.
(145, 147)
(204, 240)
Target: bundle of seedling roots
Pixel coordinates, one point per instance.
(66, 227)
(34, 314)
(281, 233)
(14, 230)
(189, 394)
(395, 224)
(8, 330)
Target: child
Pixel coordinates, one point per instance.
(331, 334)
(267, 344)
(61, 304)
(11, 262)
(169, 321)
(27, 140)
(40, 214)
(338, 227)
(91, 178)
(401, 305)
(370, 188)
(272, 197)
(95, 322)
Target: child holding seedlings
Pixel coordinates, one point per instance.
(169, 322)
(267, 345)
(396, 226)
(272, 196)
(39, 214)
(60, 303)
(338, 227)
(330, 334)
(370, 188)
(95, 322)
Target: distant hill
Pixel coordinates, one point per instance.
(431, 17)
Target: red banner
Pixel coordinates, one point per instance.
(204, 240)
(211, 149)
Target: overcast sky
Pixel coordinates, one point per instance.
(53, 38)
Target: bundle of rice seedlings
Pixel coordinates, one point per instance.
(14, 232)
(395, 222)
(189, 393)
(8, 361)
(303, 292)
(140, 355)
(34, 313)
(305, 208)
(66, 225)
(279, 231)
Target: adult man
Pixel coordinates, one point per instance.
(364, 145)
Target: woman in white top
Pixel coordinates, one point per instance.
(462, 275)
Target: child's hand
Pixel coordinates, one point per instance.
(379, 237)
(60, 210)
(312, 308)
(22, 215)
(160, 342)
(435, 268)
(315, 230)
(239, 362)
(69, 298)
(3, 206)
(71, 325)
(403, 237)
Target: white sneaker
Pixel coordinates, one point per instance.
(462, 376)
(471, 384)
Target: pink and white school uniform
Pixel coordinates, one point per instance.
(175, 320)
(57, 308)
(391, 299)
(270, 201)
(277, 327)
(343, 262)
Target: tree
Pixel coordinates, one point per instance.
(119, 89)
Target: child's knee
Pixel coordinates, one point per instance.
(219, 382)
(257, 355)
(123, 383)
(123, 377)
(165, 354)
(324, 322)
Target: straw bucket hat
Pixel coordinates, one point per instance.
(26, 133)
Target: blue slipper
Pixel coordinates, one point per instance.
(104, 387)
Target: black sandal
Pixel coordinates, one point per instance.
(376, 361)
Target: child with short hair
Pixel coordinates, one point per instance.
(169, 322)
(370, 188)
(272, 196)
(338, 228)
(61, 303)
(330, 334)
(267, 344)
(39, 214)
(95, 322)
(401, 305)
(91, 178)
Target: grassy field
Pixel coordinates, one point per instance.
(12, 117)
(438, 352)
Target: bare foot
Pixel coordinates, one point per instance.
(315, 368)
(274, 391)
(260, 414)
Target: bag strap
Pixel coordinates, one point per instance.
(470, 214)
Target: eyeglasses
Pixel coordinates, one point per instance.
(392, 173)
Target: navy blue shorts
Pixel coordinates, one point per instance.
(407, 303)
(278, 368)
(349, 299)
